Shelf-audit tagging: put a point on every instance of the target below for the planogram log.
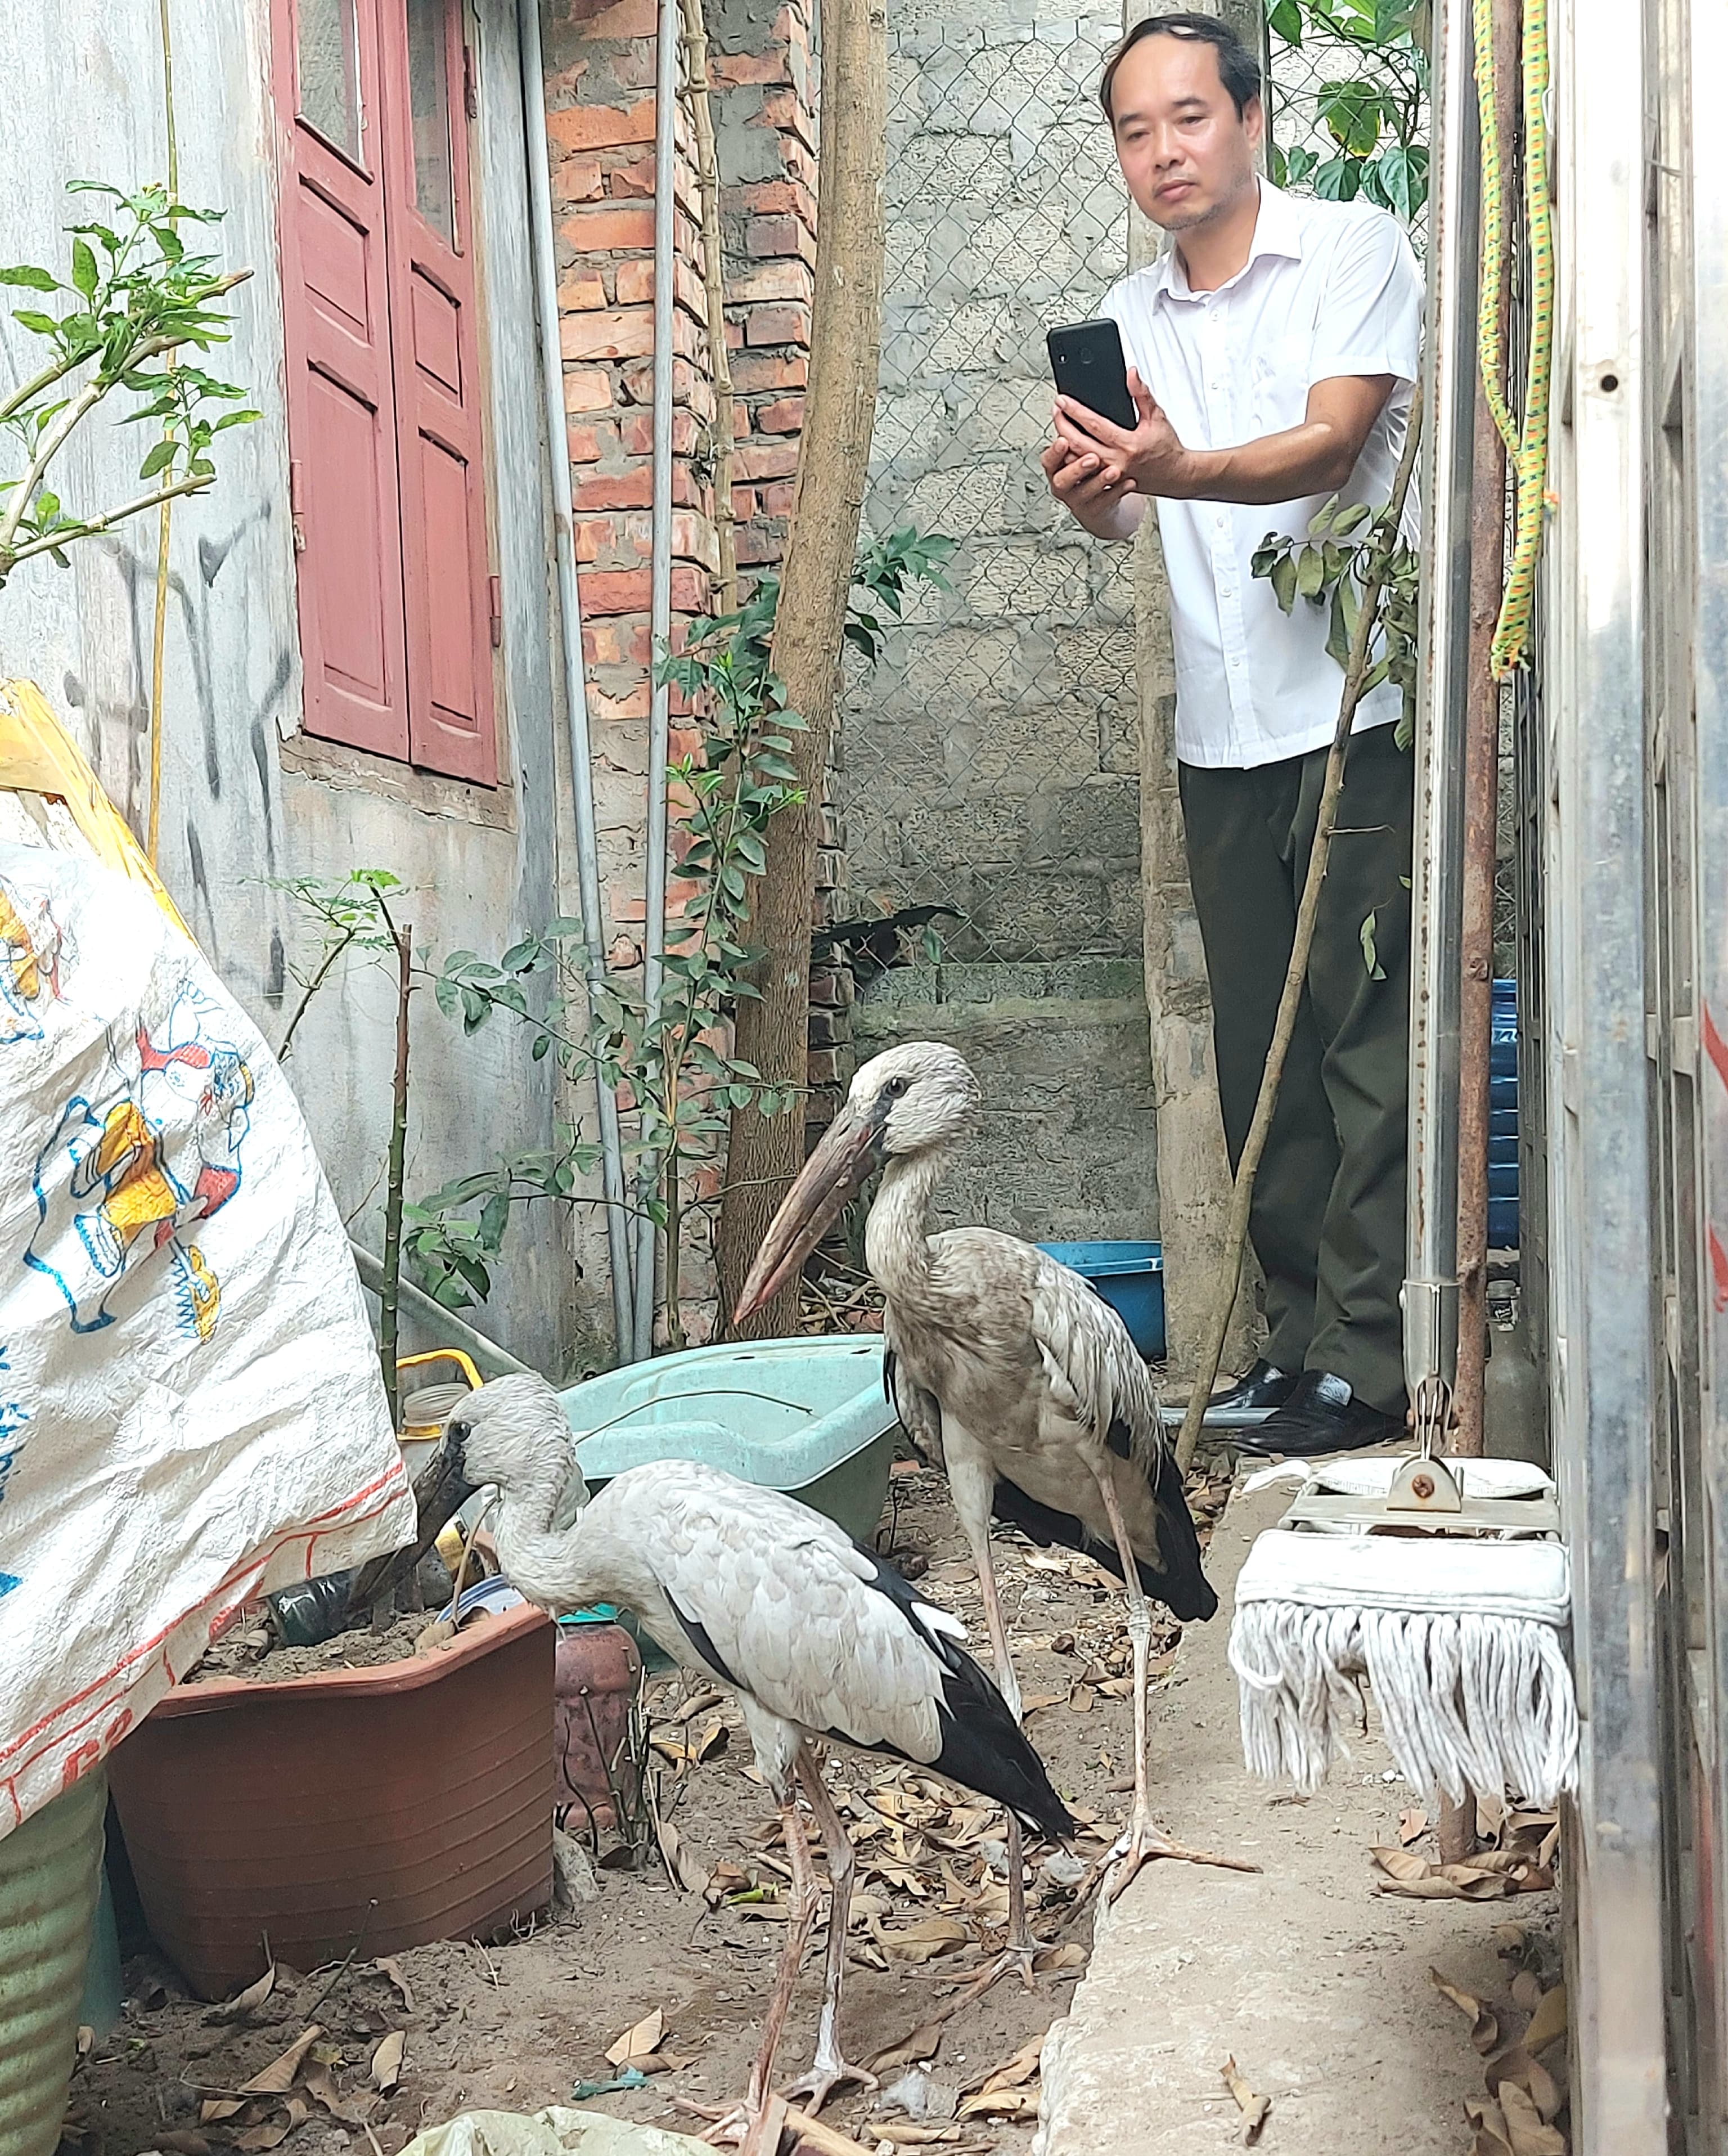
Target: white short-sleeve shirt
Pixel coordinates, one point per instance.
(1328, 289)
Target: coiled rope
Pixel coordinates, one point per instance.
(1526, 446)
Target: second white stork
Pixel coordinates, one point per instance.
(1007, 1365)
(751, 1589)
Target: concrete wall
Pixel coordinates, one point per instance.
(991, 763)
(246, 796)
(1066, 1150)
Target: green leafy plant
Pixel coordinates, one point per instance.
(1375, 115)
(1331, 569)
(134, 299)
(669, 1053)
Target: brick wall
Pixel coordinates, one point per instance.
(600, 118)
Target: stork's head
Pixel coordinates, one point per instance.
(511, 1434)
(918, 1098)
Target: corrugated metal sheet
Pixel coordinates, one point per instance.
(50, 1872)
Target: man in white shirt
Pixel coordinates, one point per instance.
(1272, 350)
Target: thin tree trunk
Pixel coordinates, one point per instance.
(695, 56)
(833, 458)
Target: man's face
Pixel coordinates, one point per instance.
(1185, 153)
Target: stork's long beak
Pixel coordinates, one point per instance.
(850, 1152)
(441, 1489)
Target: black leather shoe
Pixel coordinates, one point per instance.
(1248, 1401)
(1321, 1415)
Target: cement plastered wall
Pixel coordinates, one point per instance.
(246, 797)
(991, 762)
(1066, 1149)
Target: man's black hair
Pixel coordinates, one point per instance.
(1238, 71)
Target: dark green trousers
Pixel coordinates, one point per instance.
(1328, 1217)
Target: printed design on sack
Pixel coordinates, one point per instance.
(32, 953)
(131, 1170)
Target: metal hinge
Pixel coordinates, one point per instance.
(296, 504)
(471, 88)
(494, 594)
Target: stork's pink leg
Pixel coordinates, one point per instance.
(800, 1918)
(1142, 1840)
(831, 2066)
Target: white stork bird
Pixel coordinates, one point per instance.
(1005, 1365)
(751, 1589)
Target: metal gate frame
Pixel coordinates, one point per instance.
(1593, 827)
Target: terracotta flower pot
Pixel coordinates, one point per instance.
(385, 1806)
(597, 1671)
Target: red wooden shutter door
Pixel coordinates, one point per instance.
(439, 449)
(341, 406)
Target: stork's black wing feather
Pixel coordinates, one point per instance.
(983, 1748)
(1180, 1585)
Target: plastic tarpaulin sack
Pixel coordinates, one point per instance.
(191, 1409)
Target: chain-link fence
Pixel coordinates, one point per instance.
(1347, 115)
(989, 764)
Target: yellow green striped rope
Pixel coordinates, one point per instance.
(1490, 342)
(1528, 446)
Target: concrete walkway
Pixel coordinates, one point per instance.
(1317, 1985)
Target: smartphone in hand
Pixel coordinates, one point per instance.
(1087, 360)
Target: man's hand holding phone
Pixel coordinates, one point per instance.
(1102, 461)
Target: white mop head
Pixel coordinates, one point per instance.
(1459, 1638)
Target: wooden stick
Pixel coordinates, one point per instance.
(1296, 973)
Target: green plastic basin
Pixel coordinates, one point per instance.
(805, 1416)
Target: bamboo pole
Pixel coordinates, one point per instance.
(724, 430)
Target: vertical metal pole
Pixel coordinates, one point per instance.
(659, 600)
(1605, 1319)
(1431, 1284)
(1481, 815)
(1707, 154)
(570, 630)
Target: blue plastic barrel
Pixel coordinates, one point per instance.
(1130, 1276)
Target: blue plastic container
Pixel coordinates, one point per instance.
(1130, 1276)
(809, 1417)
(1503, 1118)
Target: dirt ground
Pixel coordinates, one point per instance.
(519, 2025)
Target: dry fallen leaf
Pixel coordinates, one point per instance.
(386, 2059)
(1548, 2022)
(1070, 1954)
(275, 2079)
(245, 2002)
(1528, 2131)
(923, 2043)
(1531, 2075)
(1253, 2107)
(1408, 1874)
(1485, 2029)
(905, 2133)
(1035, 1702)
(1412, 1825)
(1486, 2116)
(1527, 1990)
(640, 2042)
(321, 2087)
(392, 1969)
(924, 1941)
(685, 1872)
(295, 2110)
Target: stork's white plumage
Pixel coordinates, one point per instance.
(751, 1589)
(1004, 1364)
